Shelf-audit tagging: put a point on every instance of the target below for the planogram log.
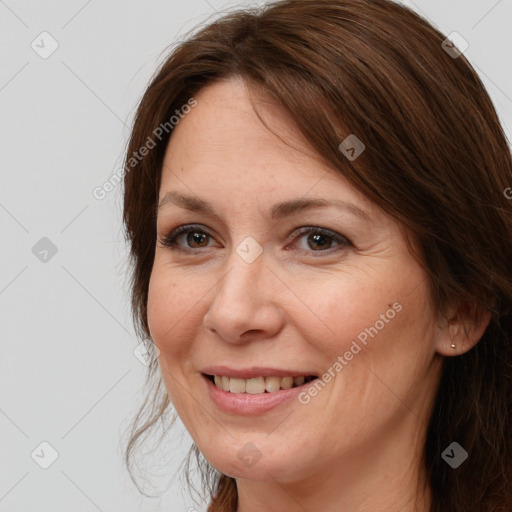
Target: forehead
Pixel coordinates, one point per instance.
(224, 139)
(222, 155)
(233, 121)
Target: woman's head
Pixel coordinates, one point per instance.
(354, 102)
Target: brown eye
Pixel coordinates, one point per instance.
(197, 237)
(320, 240)
(187, 238)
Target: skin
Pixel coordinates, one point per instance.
(357, 444)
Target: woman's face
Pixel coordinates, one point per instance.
(267, 286)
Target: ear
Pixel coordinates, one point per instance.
(464, 329)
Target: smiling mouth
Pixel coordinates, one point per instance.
(258, 385)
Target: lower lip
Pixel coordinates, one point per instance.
(245, 403)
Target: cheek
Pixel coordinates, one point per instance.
(370, 323)
(161, 301)
(172, 321)
(170, 310)
(339, 310)
(376, 361)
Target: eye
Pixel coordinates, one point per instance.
(321, 240)
(195, 239)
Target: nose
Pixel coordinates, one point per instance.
(245, 302)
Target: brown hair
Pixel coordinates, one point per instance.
(436, 159)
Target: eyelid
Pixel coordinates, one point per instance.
(317, 229)
(341, 240)
(169, 239)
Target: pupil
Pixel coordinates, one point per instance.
(195, 237)
(318, 238)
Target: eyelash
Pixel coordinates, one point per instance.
(169, 240)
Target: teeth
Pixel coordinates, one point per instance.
(236, 385)
(286, 382)
(272, 384)
(298, 381)
(257, 385)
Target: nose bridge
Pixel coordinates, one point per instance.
(241, 300)
(241, 283)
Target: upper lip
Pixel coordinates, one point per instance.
(249, 373)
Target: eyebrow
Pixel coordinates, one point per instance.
(278, 211)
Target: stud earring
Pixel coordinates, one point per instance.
(452, 345)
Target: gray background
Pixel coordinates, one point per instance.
(68, 373)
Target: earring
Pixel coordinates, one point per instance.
(452, 345)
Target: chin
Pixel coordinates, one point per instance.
(250, 463)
